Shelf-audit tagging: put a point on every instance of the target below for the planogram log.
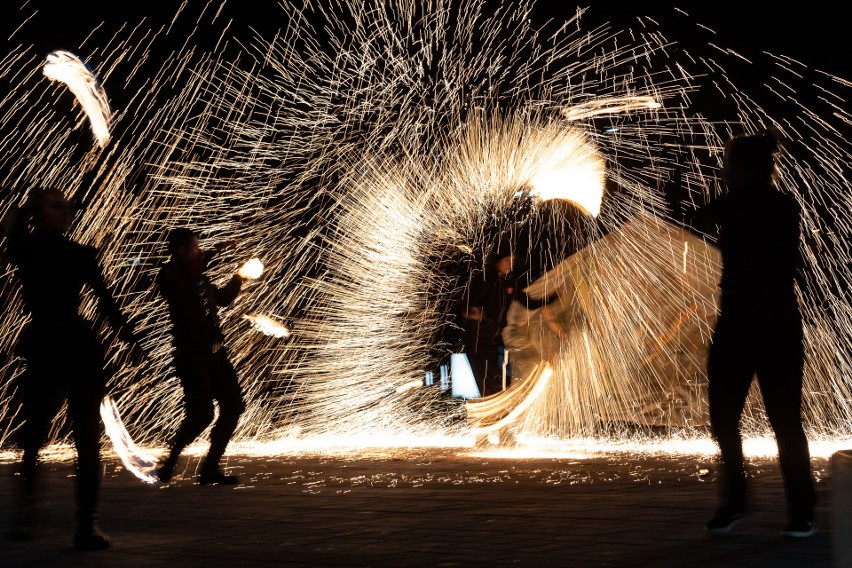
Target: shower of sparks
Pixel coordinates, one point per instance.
(633, 345)
(69, 69)
(373, 153)
(268, 326)
(252, 269)
(135, 460)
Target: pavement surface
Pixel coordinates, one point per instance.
(423, 507)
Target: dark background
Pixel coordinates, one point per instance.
(813, 32)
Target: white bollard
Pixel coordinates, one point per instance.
(461, 377)
(841, 508)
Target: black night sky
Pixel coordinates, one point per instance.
(813, 33)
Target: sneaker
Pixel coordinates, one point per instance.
(165, 469)
(91, 538)
(217, 478)
(163, 474)
(724, 521)
(800, 529)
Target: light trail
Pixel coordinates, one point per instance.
(396, 445)
(371, 168)
(67, 68)
(138, 462)
(268, 326)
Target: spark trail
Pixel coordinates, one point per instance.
(370, 154)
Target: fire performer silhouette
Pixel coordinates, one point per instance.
(63, 355)
(200, 359)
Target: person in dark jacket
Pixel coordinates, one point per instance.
(485, 318)
(491, 295)
(200, 358)
(759, 329)
(64, 358)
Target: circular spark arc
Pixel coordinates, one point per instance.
(372, 159)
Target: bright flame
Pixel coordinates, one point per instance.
(613, 105)
(252, 269)
(574, 172)
(268, 326)
(67, 68)
(137, 461)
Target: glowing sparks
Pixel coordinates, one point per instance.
(376, 195)
(268, 326)
(574, 171)
(252, 269)
(67, 68)
(137, 461)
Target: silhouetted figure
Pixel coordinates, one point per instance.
(64, 357)
(200, 358)
(485, 318)
(759, 329)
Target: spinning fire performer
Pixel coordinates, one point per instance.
(200, 358)
(63, 354)
(759, 330)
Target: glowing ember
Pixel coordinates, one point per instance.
(599, 107)
(573, 171)
(408, 386)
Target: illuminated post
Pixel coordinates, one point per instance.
(464, 384)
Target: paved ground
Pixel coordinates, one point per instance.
(429, 507)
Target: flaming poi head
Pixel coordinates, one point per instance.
(67, 68)
(252, 269)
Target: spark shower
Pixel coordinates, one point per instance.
(369, 154)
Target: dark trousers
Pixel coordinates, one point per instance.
(205, 377)
(72, 369)
(763, 335)
(483, 353)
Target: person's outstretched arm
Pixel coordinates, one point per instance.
(107, 306)
(229, 292)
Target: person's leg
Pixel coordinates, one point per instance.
(780, 374)
(476, 350)
(193, 370)
(41, 400)
(729, 375)
(226, 390)
(84, 399)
